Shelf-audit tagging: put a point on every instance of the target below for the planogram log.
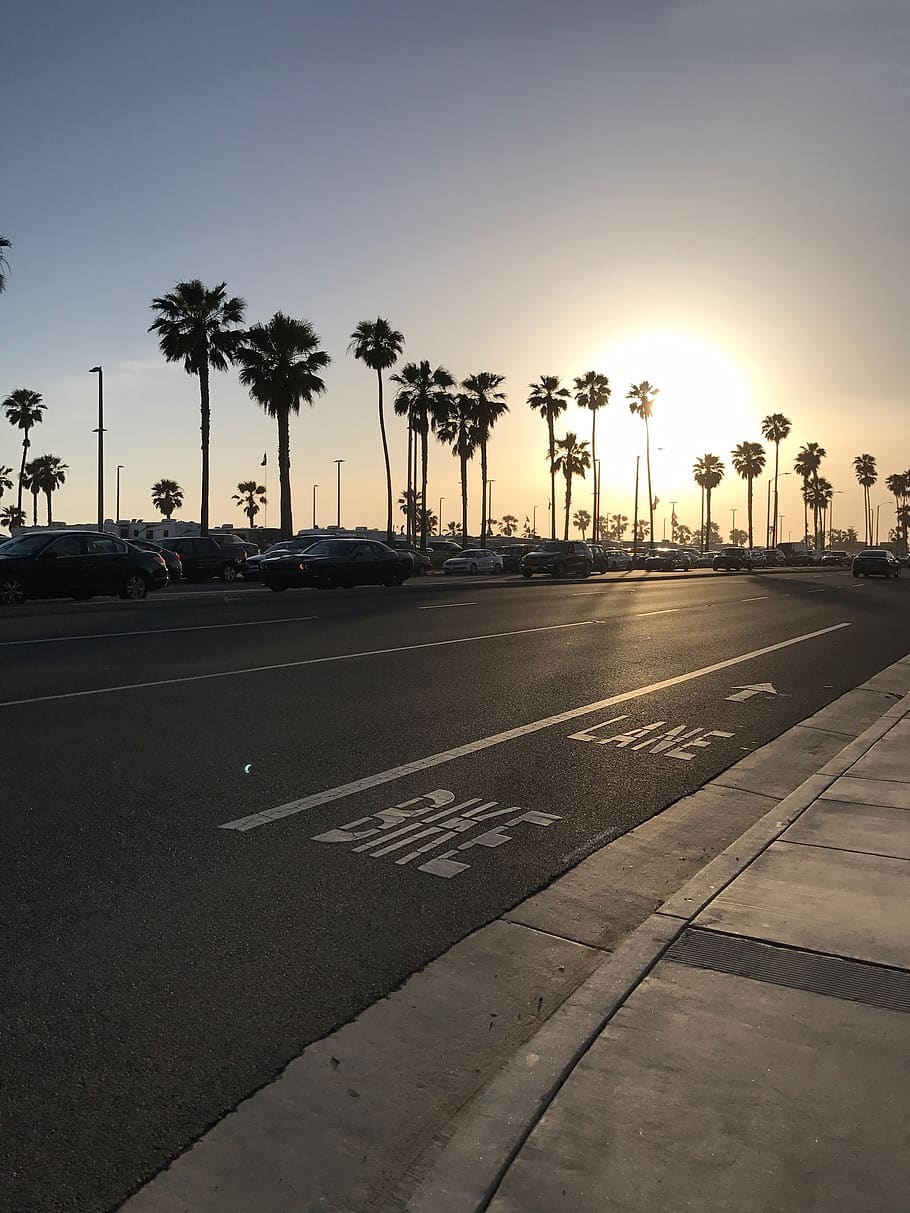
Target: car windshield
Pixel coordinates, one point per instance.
(326, 548)
(551, 546)
(874, 554)
(731, 551)
(25, 545)
(474, 552)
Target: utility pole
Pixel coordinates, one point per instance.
(97, 370)
(733, 529)
(338, 463)
(635, 520)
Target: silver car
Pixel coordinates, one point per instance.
(474, 560)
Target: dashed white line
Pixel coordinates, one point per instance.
(668, 611)
(445, 606)
(760, 598)
(202, 627)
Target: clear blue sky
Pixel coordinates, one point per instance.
(712, 194)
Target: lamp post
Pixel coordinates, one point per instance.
(771, 529)
(315, 487)
(439, 518)
(733, 528)
(490, 484)
(596, 500)
(97, 370)
(120, 467)
(338, 463)
(877, 517)
(635, 512)
(534, 520)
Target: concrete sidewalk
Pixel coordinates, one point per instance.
(756, 1053)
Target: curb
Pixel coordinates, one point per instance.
(500, 1119)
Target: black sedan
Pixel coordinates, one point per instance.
(876, 562)
(330, 563)
(171, 559)
(559, 558)
(733, 560)
(76, 564)
(667, 560)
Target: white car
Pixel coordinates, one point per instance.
(474, 560)
(617, 560)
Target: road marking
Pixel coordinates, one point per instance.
(203, 627)
(446, 606)
(761, 598)
(668, 611)
(294, 665)
(472, 747)
(678, 741)
(824, 590)
(753, 688)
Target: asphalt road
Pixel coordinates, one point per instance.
(231, 819)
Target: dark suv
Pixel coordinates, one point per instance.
(667, 560)
(559, 559)
(76, 564)
(204, 557)
(733, 560)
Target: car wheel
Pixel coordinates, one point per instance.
(327, 579)
(12, 592)
(473, 570)
(278, 589)
(397, 578)
(527, 576)
(229, 572)
(586, 571)
(135, 587)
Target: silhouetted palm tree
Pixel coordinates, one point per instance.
(489, 404)
(509, 525)
(5, 243)
(898, 485)
(422, 397)
(806, 464)
(24, 409)
(619, 524)
(459, 430)
(167, 496)
(867, 475)
(5, 479)
(819, 496)
(641, 402)
(197, 325)
(281, 364)
(592, 391)
(31, 481)
(12, 515)
(379, 347)
(581, 520)
(549, 400)
(708, 472)
(572, 459)
(775, 428)
(250, 496)
(49, 475)
(749, 462)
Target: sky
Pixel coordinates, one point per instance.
(710, 194)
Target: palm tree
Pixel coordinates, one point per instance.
(620, 524)
(379, 347)
(488, 405)
(582, 520)
(572, 460)
(280, 363)
(592, 391)
(250, 496)
(49, 474)
(708, 472)
(867, 475)
(167, 496)
(5, 243)
(509, 525)
(775, 428)
(459, 430)
(422, 397)
(452, 528)
(197, 325)
(549, 399)
(24, 409)
(11, 516)
(898, 485)
(31, 480)
(806, 464)
(819, 498)
(641, 402)
(5, 479)
(749, 462)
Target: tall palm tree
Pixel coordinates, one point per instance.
(509, 525)
(582, 520)
(489, 404)
(5, 479)
(775, 428)
(749, 462)
(24, 409)
(11, 516)
(641, 402)
(280, 363)
(422, 397)
(379, 347)
(31, 480)
(167, 496)
(572, 459)
(5, 243)
(49, 475)
(592, 391)
(549, 400)
(806, 464)
(867, 475)
(459, 430)
(820, 495)
(898, 485)
(708, 472)
(197, 325)
(250, 496)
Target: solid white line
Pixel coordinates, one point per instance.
(446, 606)
(761, 598)
(668, 611)
(435, 760)
(293, 665)
(203, 627)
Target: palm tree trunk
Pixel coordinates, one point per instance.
(284, 474)
(48, 494)
(417, 504)
(749, 505)
(776, 506)
(483, 477)
(388, 466)
(464, 499)
(650, 492)
(703, 519)
(594, 466)
(552, 475)
(424, 456)
(706, 529)
(205, 427)
(568, 476)
(34, 507)
(805, 509)
(25, 446)
(409, 491)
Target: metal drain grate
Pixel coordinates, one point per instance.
(854, 980)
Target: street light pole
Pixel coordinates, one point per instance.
(597, 534)
(835, 493)
(490, 484)
(97, 370)
(733, 529)
(635, 518)
(768, 519)
(338, 463)
(878, 518)
(315, 487)
(120, 467)
(439, 519)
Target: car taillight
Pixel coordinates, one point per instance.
(160, 559)
(302, 567)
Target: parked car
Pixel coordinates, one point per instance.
(76, 564)
(598, 557)
(758, 557)
(774, 557)
(251, 572)
(172, 560)
(511, 557)
(733, 560)
(330, 563)
(204, 557)
(876, 562)
(558, 558)
(618, 560)
(693, 553)
(473, 560)
(840, 560)
(422, 560)
(667, 560)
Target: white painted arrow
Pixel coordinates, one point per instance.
(755, 688)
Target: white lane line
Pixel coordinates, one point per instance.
(293, 665)
(822, 591)
(201, 627)
(668, 611)
(446, 606)
(761, 598)
(434, 760)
